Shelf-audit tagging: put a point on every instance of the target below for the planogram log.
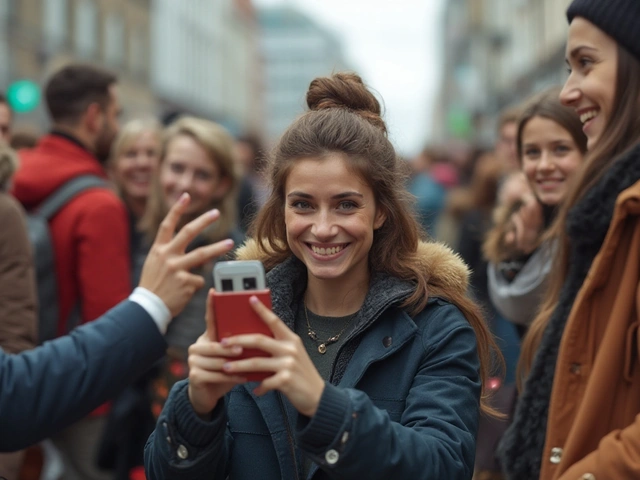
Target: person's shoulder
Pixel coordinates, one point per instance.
(100, 200)
(9, 207)
(439, 317)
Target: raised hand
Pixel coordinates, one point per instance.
(166, 271)
(294, 373)
(207, 382)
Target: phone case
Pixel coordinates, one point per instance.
(234, 316)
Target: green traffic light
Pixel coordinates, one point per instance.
(23, 96)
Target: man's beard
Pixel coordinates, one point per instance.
(103, 145)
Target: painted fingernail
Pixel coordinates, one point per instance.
(237, 349)
(224, 341)
(214, 213)
(228, 243)
(183, 198)
(226, 366)
(253, 300)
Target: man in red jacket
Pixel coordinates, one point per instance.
(90, 235)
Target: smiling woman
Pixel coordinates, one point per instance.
(578, 413)
(376, 353)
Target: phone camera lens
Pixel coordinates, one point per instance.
(227, 285)
(249, 283)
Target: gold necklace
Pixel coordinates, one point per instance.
(322, 346)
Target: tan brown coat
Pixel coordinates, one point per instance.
(593, 428)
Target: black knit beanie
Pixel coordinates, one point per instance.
(620, 19)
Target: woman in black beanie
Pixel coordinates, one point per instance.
(578, 415)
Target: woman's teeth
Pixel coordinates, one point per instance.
(326, 251)
(585, 117)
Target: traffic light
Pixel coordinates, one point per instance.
(23, 96)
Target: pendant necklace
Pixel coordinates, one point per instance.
(322, 346)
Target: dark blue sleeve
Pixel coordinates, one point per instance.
(183, 446)
(48, 388)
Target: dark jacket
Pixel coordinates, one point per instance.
(403, 400)
(47, 389)
(18, 318)
(579, 413)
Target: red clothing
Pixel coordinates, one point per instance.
(90, 235)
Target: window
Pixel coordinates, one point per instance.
(114, 39)
(55, 22)
(138, 57)
(86, 31)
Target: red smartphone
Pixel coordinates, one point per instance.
(235, 282)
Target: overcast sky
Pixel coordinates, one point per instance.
(395, 47)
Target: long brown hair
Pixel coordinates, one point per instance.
(621, 133)
(344, 119)
(545, 104)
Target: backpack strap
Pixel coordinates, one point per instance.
(64, 194)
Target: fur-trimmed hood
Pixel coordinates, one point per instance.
(447, 273)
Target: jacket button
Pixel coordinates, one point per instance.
(183, 453)
(331, 457)
(575, 368)
(387, 341)
(588, 476)
(556, 455)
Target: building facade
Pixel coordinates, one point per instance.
(295, 49)
(206, 61)
(496, 53)
(197, 57)
(39, 36)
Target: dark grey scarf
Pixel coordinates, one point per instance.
(522, 446)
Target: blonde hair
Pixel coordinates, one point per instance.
(8, 166)
(218, 144)
(130, 131)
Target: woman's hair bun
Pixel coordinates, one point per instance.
(348, 91)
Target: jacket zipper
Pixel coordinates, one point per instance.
(289, 435)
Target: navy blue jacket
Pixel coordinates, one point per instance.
(403, 402)
(46, 389)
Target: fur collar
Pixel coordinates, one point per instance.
(447, 272)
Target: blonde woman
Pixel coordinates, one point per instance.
(197, 158)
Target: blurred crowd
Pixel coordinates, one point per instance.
(545, 219)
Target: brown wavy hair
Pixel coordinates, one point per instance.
(344, 118)
(545, 104)
(621, 133)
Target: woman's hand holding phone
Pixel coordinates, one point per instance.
(294, 374)
(208, 383)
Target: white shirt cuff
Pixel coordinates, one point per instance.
(154, 306)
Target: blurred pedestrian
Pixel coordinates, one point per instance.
(90, 234)
(379, 358)
(578, 413)
(18, 319)
(551, 146)
(253, 190)
(196, 158)
(505, 147)
(430, 195)
(133, 163)
(6, 117)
